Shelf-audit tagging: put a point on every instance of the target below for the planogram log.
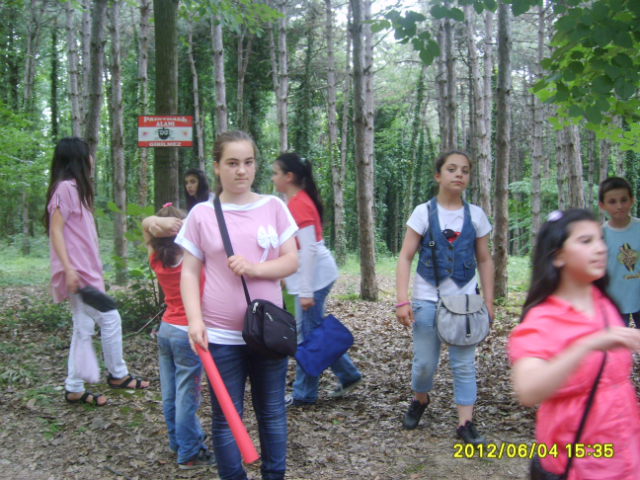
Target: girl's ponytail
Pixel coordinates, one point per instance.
(302, 170)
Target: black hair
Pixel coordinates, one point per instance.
(302, 171)
(545, 277)
(71, 161)
(220, 144)
(443, 158)
(166, 249)
(613, 183)
(202, 194)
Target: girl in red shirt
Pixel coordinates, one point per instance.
(568, 326)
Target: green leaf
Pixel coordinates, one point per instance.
(424, 35)
(98, 212)
(456, 14)
(593, 114)
(623, 60)
(546, 63)
(539, 86)
(576, 67)
(439, 12)
(148, 210)
(134, 210)
(577, 55)
(568, 76)
(602, 103)
(562, 92)
(478, 7)
(379, 26)
(626, 90)
(433, 48)
(491, 5)
(113, 207)
(613, 71)
(602, 85)
(602, 36)
(575, 111)
(426, 57)
(623, 39)
(566, 23)
(129, 236)
(519, 7)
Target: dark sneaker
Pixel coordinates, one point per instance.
(341, 390)
(414, 413)
(289, 401)
(469, 434)
(203, 459)
(204, 440)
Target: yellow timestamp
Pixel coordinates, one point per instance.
(526, 450)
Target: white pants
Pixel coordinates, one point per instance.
(84, 319)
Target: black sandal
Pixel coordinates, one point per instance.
(125, 383)
(83, 398)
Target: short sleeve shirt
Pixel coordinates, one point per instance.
(257, 231)
(80, 239)
(305, 213)
(546, 331)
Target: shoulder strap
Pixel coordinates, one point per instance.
(432, 244)
(227, 241)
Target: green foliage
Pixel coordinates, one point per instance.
(41, 313)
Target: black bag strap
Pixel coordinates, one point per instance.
(432, 244)
(224, 233)
(587, 407)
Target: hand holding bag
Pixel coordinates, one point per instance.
(461, 320)
(268, 329)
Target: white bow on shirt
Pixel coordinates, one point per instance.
(266, 238)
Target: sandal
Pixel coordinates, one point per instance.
(125, 382)
(83, 398)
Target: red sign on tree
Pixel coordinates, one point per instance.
(165, 131)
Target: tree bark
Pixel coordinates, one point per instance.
(219, 79)
(451, 142)
(54, 84)
(503, 141)
(72, 70)
(575, 184)
(143, 89)
(196, 96)
(560, 168)
(165, 167)
(92, 124)
(605, 151)
(243, 63)
(282, 95)
(363, 122)
(591, 182)
(488, 76)
(537, 158)
(483, 154)
(86, 62)
(33, 36)
(26, 248)
(117, 148)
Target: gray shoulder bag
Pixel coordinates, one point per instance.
(461, 320)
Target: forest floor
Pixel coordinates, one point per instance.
(358, 436)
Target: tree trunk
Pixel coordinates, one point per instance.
(143, 88)
(282, 94)
(86, 62)
(605, 151)
(591, 149)
(483, 154)
(503, 141)
(26, 249)
(537, 158)
(451, 141)
(488, 76)
(117, 148)
(363, 122)
(33, 36)
(54, 84)
(165, 167)
(219, 79)
(560, 169)
(196, 96)
(575, 183)
(441, 85)
(92, 124)
(72, 70)
(243, 62)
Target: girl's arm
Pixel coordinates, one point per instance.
(56, 231)
(535, 379)
(159, 227)
(281, 267)
(308, 251)
(410, 246)
(485, 271)
(190, 291)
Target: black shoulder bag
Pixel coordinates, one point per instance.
(268, 329)
(539, 473)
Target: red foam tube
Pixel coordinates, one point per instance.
(245, 445)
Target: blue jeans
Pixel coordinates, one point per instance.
(180, 376)
(305, 387)
(267, 379)
(426, 355)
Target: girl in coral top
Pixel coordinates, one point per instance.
(568, 324)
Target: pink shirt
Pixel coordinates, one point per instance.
(614, 418)
(80, 238)
(256, 231)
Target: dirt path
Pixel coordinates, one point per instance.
(356, 437)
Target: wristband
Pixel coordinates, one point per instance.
(402, 304)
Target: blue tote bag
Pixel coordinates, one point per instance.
(324, 346)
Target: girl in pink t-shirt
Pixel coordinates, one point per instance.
(75, 263)
(569, 325)
(261, 231)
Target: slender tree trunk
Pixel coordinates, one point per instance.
(219, 79)
(452, 102)
(26, 248)
(143, 88)
(72, 70)
(282, 94)
(243, 63)
(591, 149)
(503, 142)
(605, 152)
(575, 181)
(92, 124)
(488, 76)
(54, 84)
(483, 154)
(86, 62)
(560, 169)
(537, 158)
(33, 36)
(165, 167)
(117, 147)
(441, 85)
(196, 96)
(363, 122)
(463, 124)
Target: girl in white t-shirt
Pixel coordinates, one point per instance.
(462, 242)
(261, 230)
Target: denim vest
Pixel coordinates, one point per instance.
(455, 260)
